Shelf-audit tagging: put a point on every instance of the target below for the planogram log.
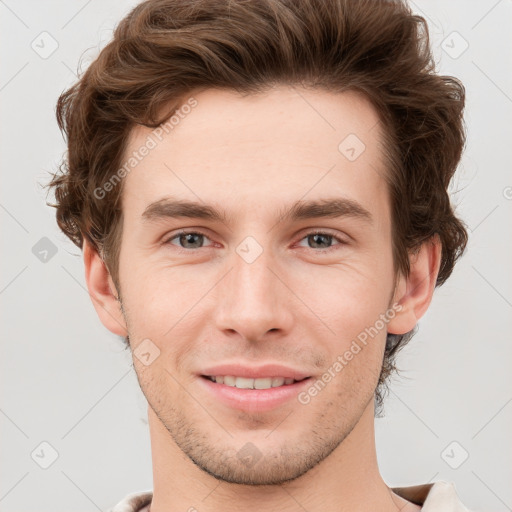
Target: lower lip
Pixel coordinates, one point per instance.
(254, 400)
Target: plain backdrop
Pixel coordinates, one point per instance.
(74, 435)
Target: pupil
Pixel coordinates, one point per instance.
(187, 237)
(319, 236)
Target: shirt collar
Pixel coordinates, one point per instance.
(440, 496)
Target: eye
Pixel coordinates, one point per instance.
(320, 239)
(188, 240)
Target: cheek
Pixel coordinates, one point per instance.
(348, 297)
(157, 296)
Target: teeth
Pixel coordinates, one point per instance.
(277, 381)
(244, 383)
(229, 381)
(263, 383)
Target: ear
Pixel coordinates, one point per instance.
(102, 291)
(414, 293)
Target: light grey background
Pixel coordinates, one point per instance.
(68, 382)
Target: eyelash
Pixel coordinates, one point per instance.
(168, 240)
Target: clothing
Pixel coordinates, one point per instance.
(435, 497)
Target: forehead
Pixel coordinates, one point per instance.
(248, 151)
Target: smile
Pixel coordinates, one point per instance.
(253, 394)
(247, 383)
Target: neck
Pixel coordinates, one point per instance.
(347, 480)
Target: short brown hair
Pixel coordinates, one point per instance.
(164, 49)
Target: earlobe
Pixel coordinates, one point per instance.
(102, 291)
(414, 293)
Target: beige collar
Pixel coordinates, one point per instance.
(440, 496)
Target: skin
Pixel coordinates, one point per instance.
(254, 156)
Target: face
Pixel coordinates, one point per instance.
(271, 287)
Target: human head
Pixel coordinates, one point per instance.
(153, 65)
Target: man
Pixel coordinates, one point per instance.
(260, 192)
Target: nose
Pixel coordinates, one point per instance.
(254, 299)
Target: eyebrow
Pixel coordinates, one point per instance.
(300, 210)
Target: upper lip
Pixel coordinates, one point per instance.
(254, 372)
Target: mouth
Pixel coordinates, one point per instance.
(253, 395)
(256, 383)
